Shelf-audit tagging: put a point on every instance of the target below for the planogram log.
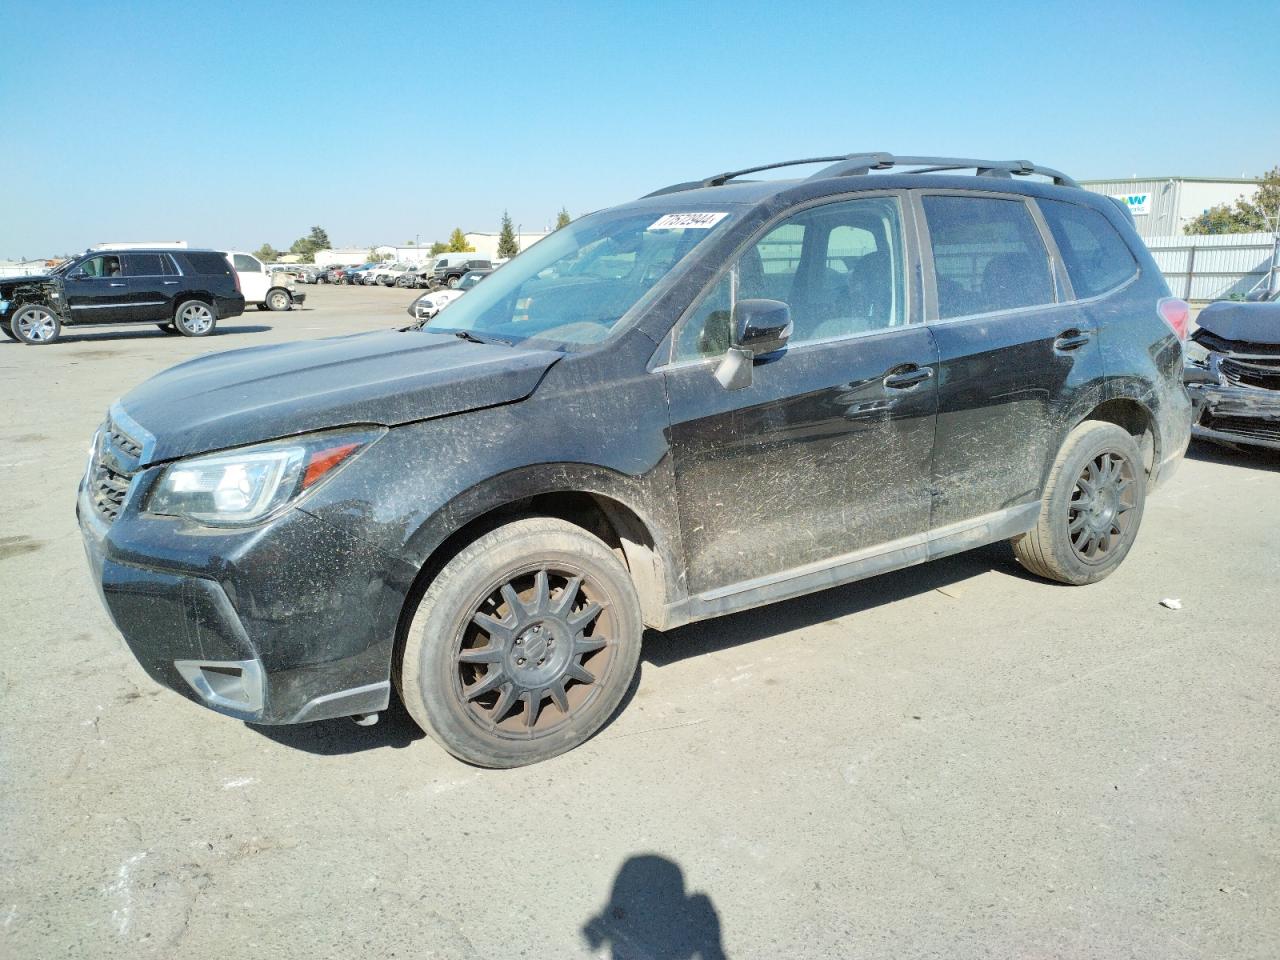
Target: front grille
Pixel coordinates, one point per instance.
(108, 490)
(108, 484)
(1251, 373)
(1243, 427)
(124, 443)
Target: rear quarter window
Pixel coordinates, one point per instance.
(1096, 256)
(210, 264)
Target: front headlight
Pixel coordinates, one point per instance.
(244, 486)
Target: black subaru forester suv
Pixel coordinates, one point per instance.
(724, 394)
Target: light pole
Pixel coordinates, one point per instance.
(519, 228)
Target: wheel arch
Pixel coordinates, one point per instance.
(1136, 419)
(593, 498)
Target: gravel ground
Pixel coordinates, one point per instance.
(951, 761)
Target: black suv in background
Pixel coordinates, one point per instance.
(721, 395)
(448, 274)
(181, 291)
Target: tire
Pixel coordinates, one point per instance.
(460, 672)
(261, 306)
(195, 318)
(5, 328)
(35, 324)
(453, 282)
(278, 300)
(1082, 536)
(168, 328)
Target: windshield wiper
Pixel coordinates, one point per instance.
(469, 336)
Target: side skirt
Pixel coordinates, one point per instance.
(858, 565)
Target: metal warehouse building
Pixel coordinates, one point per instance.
(1162, 206)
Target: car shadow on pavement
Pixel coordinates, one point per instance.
(1254, 458)
(738, 629)
(650, 914)
(328, 738)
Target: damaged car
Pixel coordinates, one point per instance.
(724, 394)
(1233, 374)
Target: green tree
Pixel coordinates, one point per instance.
(319, 238)
(562, 218)
(508, 245)
(438, 248)
(1256, 214)
(267, 253)
(458, 242)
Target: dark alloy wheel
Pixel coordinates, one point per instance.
(523, 646)
(1101, 508)
(1091, 508)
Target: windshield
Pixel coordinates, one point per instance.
(572, 288)
(470, 280)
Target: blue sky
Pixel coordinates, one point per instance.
(231, 124)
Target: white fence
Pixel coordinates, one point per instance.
(1216, 267)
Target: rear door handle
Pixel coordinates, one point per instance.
(115, 284)
(169, 283)
(1072, 339)
(908, 376)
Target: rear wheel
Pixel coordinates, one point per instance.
(278, 300)
(36, 325)
(523, 645)
(195, 318)
(453, 282)
(167, 328)
(1092, 507)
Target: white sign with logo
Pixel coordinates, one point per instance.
(1139, 204)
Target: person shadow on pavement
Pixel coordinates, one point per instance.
(649, 916)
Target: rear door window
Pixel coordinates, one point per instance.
(987, 255)
(1096, 256)
(142, 265)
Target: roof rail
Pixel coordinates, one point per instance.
(859, 164)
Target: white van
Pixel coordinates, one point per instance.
(261, 287)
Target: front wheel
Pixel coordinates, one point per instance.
(35, 325)
(195, 318)
(278, 300)
(1092, 507)
(523, 645)
(453, 282)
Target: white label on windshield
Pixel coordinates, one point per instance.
(688, 221)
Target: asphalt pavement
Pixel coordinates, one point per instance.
(956, 760)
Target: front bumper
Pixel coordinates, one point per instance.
(287, 622)
(1236, 414)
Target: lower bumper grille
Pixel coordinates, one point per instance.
(1268, 430)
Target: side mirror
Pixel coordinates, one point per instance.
(757, 329)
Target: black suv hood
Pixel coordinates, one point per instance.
(29, 278)
(263, 393)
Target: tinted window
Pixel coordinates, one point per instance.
(167, 265)
(838, 267)
(244, 264)
(987, 255)
(1096, 256)
(208, 263)
(142, 265)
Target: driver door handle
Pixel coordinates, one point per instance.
(907, 376)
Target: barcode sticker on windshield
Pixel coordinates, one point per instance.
(688, 221)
